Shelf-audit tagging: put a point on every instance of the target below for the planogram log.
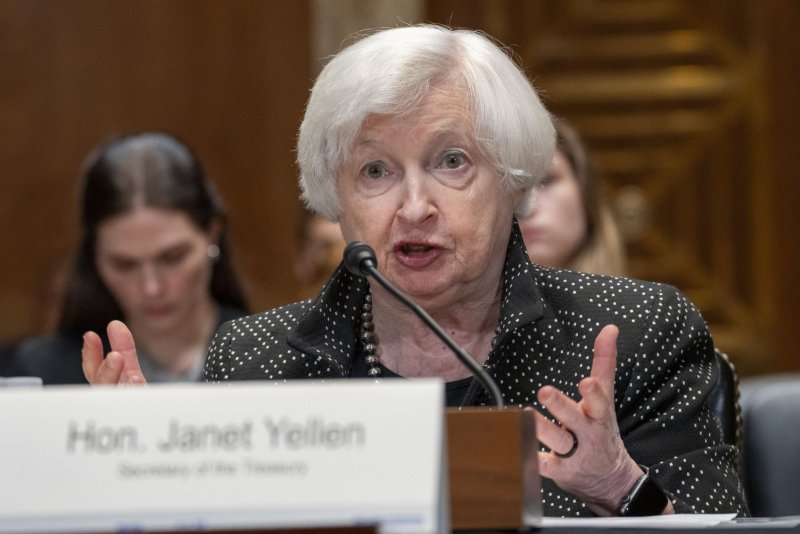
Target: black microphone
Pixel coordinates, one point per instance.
(360, 259)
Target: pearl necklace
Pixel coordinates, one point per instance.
(369, 344)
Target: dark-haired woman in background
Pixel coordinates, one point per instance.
(153, 253)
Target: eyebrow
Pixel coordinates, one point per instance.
(447, 129)
(176, 247)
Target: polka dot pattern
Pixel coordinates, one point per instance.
(549, 320)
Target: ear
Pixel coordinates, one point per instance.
(215, 229)
(517, 197)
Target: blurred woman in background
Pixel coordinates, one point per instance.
(319, 248)
(153, 253)
(571, 225)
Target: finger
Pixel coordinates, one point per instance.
(596, 401)
(91, 355)
(548, 464)
(122, 342)
(597, 391)
(109, 371)
(560, 406)
(132, 379)
(554, 437)
(604, 363)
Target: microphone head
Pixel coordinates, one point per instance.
(357, 256)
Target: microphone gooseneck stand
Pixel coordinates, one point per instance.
(360, 259)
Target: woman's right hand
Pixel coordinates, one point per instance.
(120, 366)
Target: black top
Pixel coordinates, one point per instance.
(548, 322)
(454, 391)
(56, 358)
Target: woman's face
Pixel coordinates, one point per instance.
(417, 189)
(155, 264)
(556, 228)
(320, 252)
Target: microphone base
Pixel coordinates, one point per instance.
(493, 468)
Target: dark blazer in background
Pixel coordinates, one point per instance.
(56, 358)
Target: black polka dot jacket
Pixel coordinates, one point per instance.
(549, 320)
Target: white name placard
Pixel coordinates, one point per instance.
(202, 456)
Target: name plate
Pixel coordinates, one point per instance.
(240, 455)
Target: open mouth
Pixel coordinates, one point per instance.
(417, 255)
(414, 248)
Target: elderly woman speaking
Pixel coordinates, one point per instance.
(424, 143)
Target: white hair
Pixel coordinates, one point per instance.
(391, 72)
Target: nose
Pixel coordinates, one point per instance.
(152, 283)
(417, 202)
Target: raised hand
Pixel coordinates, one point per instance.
(120, 366)
(587, 456)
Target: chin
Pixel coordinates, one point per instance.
(538, 256)
(431, 294)
(162, 323)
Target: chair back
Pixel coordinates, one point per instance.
(771, 444)
(724, 402)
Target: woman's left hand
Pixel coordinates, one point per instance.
(120, 366)
(600, 471)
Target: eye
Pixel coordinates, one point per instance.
(174, 256)
(122, 265)
(374, 170)
(548, 179)
(453, 159)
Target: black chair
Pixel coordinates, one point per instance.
(724, 402)
(7, 351)
(771, 444)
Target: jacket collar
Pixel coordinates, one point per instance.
(329, 329)
(522, 300)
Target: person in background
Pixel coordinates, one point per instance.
(8, 350)
(425, 143)
(319, 251)
(571, 226)
(47, 309)
(154, 253)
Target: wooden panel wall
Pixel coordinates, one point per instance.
(691, 110)
(782, 154)
(231, 78)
